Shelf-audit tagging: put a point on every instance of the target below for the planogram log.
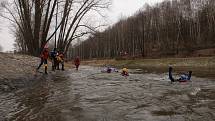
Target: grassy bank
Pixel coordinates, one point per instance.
(202, 66)
(176, 62)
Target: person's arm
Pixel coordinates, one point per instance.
(170, 75)
(189, 75)
(41, 55)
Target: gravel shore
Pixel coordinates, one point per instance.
(17, 71)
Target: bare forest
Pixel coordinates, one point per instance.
(38, 22)
(176, 28)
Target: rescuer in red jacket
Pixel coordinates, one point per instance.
(77, 62)
(44, 59)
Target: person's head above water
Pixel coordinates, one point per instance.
(125, 69)
(124, 72)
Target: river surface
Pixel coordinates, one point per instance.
(89, 95)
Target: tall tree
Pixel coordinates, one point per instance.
(171, 28)
(35, 20)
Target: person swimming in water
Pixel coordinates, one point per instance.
(183, 78)
(109, 69)
(124, 72)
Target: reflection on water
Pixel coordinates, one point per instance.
(88, 95)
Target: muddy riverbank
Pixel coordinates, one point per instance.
(18, 71)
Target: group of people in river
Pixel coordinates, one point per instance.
(57, 59)
(184, 77)
(109, 69)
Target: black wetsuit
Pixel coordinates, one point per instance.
(183, 78)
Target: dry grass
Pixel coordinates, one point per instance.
(207, 62)
(201, 66)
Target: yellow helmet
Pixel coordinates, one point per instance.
(125, 69)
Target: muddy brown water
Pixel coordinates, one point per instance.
(88, 95)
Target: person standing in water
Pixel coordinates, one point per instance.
(60, 61)
(44, 59)
(53, 55)
(77, 62)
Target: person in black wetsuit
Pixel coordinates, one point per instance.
(53, 55)
(183, 78)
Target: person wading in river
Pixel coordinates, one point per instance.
(53, 54)
(44, 59)
(60, 60)
(77, 62)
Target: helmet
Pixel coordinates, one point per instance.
(125, 69)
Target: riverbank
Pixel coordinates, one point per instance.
(16, 70)
(202, 66)
(19, 71)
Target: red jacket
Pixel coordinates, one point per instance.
(77, 61)
(45, 54)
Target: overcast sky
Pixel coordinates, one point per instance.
(119, 8)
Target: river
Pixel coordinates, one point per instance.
(89, 95)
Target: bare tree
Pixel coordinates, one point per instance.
(171, 28)
(34, 20)
(69, 30)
